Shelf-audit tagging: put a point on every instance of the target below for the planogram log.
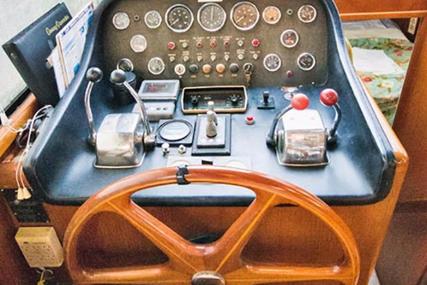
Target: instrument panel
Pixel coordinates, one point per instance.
(259, 43)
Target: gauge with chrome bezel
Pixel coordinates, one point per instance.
(156, 66)
(271, 15)
(153, 19)
(138, 43)
(307, 14)
(244, 15)
(306, 61)
(289, 38)
(179, 18)
(272, 62)
(121, 21)
(211, 17)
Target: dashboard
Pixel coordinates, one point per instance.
(260, 43)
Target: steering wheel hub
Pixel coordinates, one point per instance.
(207, 278)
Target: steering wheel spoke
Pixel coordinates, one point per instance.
(180, 252)
(269, 273)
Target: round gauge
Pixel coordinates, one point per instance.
(211, 17)
(307, 14)
(156, 66)
(289, 38)
(272, 62)
(306, 61)
(153, 19)
(138, 43)
(125, 64)
(271, 15)
(175, 130)
(121, 21)
(179, 18)
(244, 15)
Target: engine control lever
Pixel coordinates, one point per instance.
(329, 98)
(299, 101)
(118, 77)
(93, 75)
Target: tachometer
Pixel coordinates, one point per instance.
(211, 17)
(179, 18)
(271, 15)
(289, 38)
(153, 19)
(244, 15)
(307, 14)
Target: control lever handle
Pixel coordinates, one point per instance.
(299, 102)
(329, 97)
(118, 77)
(93, 75)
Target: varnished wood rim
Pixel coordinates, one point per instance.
(222, 256)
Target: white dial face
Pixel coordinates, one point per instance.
(121, 21)
(153, 19)
(179, 18)
(271, 15)
(211, 17)
(272, 62)
(307, 14)
(138, 43)
(244, 16)
(156, 66)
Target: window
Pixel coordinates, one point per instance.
(14, 17)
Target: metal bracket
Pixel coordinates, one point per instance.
(180, 175)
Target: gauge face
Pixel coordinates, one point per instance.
(138, 43)
(211, 17)
(179, 18)
(156, 66)
(271, 15)
(307, 14)
(125, 64)
(153, 19)
(244, 16)
(272, 62)
(121, 21)
(289, 38)
(306, 61)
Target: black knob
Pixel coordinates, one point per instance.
(234, 68)
(94, 74)
(193, 68)
(194, 100)
(234, 99)
(118, 76)
(266, 97)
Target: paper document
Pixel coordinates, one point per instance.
(374, 61)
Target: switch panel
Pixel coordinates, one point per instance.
(40, 246)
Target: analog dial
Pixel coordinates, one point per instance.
(244, 16)
(121, 21)
(138, 43)
(307, 14)
(272, 62)
(211, 17)
(289, 38)
(153, 19)
(156, 66)
(306, 61)
(179, 18)
(271, 15)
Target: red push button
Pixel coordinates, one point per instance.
(250, 120)
(171, 45)
(256, 43)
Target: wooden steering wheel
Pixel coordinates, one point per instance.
(218, 262)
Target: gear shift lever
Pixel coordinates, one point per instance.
(93, 75)
(118, 77)
(329, 98)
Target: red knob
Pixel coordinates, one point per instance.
(300, 101)
(329, 97)
(171, 45)
(256, 43)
